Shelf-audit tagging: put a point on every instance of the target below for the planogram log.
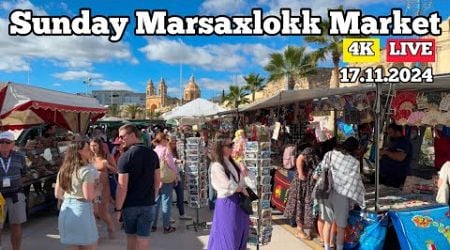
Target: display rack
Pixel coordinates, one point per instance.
(196, 178)
(257, 160)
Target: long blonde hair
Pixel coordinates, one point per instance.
(71, 164)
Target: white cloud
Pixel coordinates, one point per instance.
(111, 85)
(319, 7)
(13, 64)
(76, 75)
(222, 7)
(67, 51)
(24, 5)
(57, 84)
(219, 85)
(174, 91)
(214, 57)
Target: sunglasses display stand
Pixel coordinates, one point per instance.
(197, 179)
(257, 159)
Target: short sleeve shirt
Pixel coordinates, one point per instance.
(140, 163)
(85, 174)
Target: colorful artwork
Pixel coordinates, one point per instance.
(422, 221)
(422, 229)
(430, 245)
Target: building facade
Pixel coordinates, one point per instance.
(157, 100)
(118, 97)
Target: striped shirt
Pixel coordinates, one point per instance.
(17, 169)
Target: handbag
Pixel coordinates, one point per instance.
(324, 184)
(245, 202)
(167, 175)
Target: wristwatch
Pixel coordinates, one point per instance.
(117, 210)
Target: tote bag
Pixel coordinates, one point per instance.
(167, 174)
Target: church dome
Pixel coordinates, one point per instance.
(191, 86)
(191, 91)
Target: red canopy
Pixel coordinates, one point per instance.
(23, 106)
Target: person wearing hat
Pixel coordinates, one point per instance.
(13, 167)
(347, 189)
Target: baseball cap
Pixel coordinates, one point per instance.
(6, 135)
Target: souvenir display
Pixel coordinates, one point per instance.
(196, 173)
(257, 160)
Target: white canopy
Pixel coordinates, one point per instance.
(194, 109)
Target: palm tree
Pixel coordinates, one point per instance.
(330, 45)
(133, 110)
(293, 63)
(113, 110)
(254, 84)
(235, 98)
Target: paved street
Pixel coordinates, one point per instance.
(41, 233)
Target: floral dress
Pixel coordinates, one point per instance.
(300, 200)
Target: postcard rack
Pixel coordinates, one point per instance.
(257, 160)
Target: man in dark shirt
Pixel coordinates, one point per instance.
(395, 160)
(13, 167)
(139, 180)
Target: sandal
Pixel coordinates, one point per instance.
(303, 236)
(169, 230)
(321, 243)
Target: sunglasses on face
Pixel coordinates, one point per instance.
(6, 142)
(230, 145)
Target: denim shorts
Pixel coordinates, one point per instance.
(138, 220)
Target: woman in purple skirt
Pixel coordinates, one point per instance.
(230, 224)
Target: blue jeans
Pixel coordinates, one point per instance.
(179, 191)
(164, 201)
(138, 220)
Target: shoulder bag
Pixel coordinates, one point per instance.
(167, 174)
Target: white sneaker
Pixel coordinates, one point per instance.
(172, 221)
(185, 217)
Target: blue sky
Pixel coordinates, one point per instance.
(63, 63)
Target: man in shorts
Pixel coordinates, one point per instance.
(138, 182)
(13, 167)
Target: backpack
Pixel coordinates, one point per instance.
(289, 157)
(324, 184)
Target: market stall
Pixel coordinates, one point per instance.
(415, 106)
(24, 106)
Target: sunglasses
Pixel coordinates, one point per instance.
(230, 145)
(6, 142)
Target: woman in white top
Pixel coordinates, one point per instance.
(230, 223)
(444, 180)
(75, 183)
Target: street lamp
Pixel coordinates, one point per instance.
(87, 83)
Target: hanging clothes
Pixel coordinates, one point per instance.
(441, 147)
